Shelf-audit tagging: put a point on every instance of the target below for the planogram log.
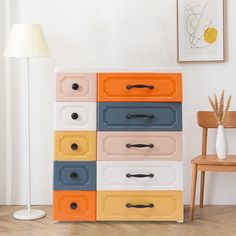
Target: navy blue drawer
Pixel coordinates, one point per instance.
(139, 116)
(71, 175)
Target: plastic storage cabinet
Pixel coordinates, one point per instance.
(118, 147)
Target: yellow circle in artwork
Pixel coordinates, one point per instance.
(210, 35)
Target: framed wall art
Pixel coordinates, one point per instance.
(200, 30)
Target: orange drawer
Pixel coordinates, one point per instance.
(140, 87)
(74, 205)
(75, 146)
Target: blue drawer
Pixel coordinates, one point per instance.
(139, 116)
(71, 175)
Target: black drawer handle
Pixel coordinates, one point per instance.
(140, 206)
(140, 86)
(75, 86)
(73, 206)
(141, 116)
(74, 116)
(128, 175)
(74, 146)
(74, 175)
(128, 145)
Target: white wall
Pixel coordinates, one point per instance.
(2, 108)
(111, 33)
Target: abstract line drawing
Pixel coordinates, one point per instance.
(199, 26)
(200, 30)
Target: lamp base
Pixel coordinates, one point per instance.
(33, 214)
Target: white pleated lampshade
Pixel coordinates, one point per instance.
(26, 40)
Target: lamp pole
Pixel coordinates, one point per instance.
(29, 143)
(28, 214)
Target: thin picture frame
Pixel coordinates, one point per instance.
(200, 30)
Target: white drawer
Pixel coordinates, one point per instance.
(75, 116)
(138, 175)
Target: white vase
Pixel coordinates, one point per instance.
(221, 143)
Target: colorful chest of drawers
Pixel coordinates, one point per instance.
(118, 147)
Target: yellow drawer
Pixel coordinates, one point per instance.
(75, 146)
(140, 205)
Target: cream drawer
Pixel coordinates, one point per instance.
(135, 175)
(76, 87)
(140, 205)
(75, 116)
(135, 146)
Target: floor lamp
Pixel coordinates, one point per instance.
(27, 40)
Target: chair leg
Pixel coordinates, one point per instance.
(202, 188)
(193, 191)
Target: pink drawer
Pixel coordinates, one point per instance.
(139, 146)
(76, 87)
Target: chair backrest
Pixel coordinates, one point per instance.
(206, 120)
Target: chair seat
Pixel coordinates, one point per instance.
(212, 159)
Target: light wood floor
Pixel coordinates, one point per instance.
(211, 220)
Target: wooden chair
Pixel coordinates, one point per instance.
(206, 162)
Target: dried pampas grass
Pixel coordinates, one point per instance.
(218, 107)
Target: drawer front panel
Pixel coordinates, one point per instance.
(74, 205)
(74, 175)
(135, 175)
(75, 116)
(139, 146)
(116, 116)
(75, 146)
(140, 87)
(140, 205)
(76, 87)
